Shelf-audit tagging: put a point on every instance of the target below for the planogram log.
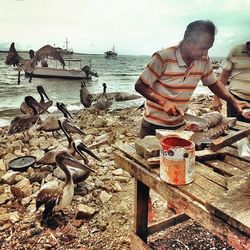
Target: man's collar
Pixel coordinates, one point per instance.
(245, 50)
(179, 58)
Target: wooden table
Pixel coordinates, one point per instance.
(218, 198)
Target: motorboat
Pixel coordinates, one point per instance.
(44, 70)
(111, 53)
(67, 51)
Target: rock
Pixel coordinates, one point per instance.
(5, 197)
(14, 217)
(118, 171)
(21, 189)
(9, 177)
(88, 139)
(84, 212)
(108, 149)
(3, 167)
(38, 153)
(104, 197)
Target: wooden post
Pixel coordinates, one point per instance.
(141, 210)
(18, 79)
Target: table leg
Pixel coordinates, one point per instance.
(141, 210)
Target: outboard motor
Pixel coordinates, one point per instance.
(88, 72)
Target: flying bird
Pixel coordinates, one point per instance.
(13, 58)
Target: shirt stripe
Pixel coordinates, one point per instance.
(168, 75)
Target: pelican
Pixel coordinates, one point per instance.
(87, 98)
(25, 108)
(56, 199)
(103, 101)
(46, 51)
(49, 157)
(51, 123)
(24, 122)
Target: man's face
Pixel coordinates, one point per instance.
(199, 49)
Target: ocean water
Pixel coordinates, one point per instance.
(119, 74)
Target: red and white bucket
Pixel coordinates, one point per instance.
(177, 160)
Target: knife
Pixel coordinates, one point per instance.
(193, 118)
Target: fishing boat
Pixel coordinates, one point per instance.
(67, 51)
(111, 53)
(44, 70)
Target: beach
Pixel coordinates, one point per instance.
(119, 74)
(106, 196)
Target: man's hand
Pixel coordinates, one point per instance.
(239, 105)
(172, 109)
(217, 104)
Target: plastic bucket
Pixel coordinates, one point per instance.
(177, 160)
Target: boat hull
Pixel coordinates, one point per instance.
(44, 72)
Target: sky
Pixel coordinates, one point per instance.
(134, 27)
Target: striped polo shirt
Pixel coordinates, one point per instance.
(168, 75)
(238, 62)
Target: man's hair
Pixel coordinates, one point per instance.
(195, 29)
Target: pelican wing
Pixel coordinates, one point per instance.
(85, 97)
(46, 52)
(49, 125)
(72, 128)
(48, 158)
(22, 123)
(13, 58)
(48, 196)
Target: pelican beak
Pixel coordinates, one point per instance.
(73, 162)
(71, 127)
(82, 147)
(63, 108)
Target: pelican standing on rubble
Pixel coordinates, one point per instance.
(49, 157)
(51, 123)
(55, 199)
(24, 122)
(26, 109)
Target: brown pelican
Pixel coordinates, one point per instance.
(26, 121)
(87, 98)
(51, 123)
(25, 108)
(29, 64)
(49, 157)
(55, 199)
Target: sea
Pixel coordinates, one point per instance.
(119, 74)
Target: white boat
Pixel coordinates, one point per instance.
(111, 53)
(67, 51)
(46, 71)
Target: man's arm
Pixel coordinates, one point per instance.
(170, 107)
(222, 92)
(223, 78)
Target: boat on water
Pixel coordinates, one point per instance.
(111, 53)
(43, 70)
(67, 51)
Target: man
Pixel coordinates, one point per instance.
(237, 65)
(172, 75)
